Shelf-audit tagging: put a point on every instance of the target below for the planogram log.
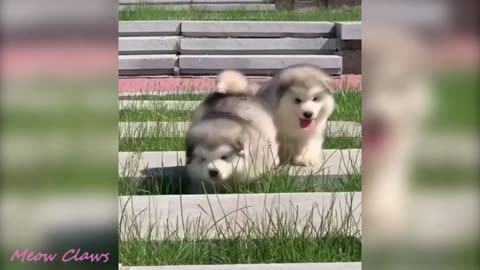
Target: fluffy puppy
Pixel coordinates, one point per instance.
(231, 138)
(301, 100)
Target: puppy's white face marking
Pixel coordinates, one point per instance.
(301, 107)
(215, 165)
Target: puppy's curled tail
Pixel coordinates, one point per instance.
(233, 82)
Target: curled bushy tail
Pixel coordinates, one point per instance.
(232, 82)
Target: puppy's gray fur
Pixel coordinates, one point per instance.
(231, 138)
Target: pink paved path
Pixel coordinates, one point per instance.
(130, 85)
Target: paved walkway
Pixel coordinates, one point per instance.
(129, 85)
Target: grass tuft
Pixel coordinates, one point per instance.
(317, 14)
(238, 251)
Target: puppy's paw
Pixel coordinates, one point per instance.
(306, 161)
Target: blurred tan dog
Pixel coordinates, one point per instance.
(395, 101)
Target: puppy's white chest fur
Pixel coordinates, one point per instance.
(301, 147)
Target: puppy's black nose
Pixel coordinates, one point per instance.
(213, 173)
(307, 114)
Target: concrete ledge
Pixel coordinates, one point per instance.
(257, 46)
(255, 29)
(149, 28)
(349, 30)
(156, 217)
(148, 45)
(336, 162)
(147, 64)
(178, 129)
(278, 266)
(255, 64)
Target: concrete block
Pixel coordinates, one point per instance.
(148, 45)
(147, 64)
(257, 45)
(149, 28)
(349, 30)
(158, 216)
(256, 29)
(255, 64)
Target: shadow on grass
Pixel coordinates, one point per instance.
(174, 181)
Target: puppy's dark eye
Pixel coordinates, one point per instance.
(224, 157)
(316, 99)
(202, 159)
(297, 101)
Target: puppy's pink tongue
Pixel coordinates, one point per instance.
(307, 123)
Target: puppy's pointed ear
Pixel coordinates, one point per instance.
(239, 145)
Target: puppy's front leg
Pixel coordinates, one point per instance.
(309, 153)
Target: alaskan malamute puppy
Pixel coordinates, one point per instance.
(232, 136)
(301, 100)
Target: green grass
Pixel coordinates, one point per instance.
(320, 233)
(278, 249)
(180, 95)
(178, 143)
(348, 108)
(158, 114)
(319, 14)
(278, 181)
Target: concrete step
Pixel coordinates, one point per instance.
(255, 64)
(148, 28)
(336, 162)
(149, 64)
(349, 30)
(148, 45)
(256, 29)
(257, 46)
(178, 129)
(156, 217)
